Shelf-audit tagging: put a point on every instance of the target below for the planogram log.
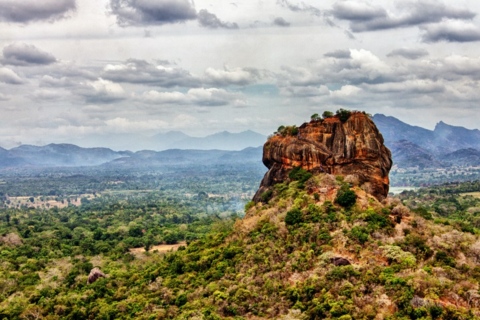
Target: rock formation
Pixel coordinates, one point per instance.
(94, 275)
(353, 147)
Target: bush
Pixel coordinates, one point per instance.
(359, 234)
(293, 217)
(267, 195)
(299, 174)
(443, 258)
(346, 198)
(343, 114)
(327, 114)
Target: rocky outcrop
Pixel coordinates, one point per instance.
(94, 275)
(351, 147)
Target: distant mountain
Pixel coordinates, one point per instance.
(415, 146)
(393, 130)
(408, 154)
(189, 157)
(222, 141)
(174, 140)
(442, 140)
(451, 138)
(463, 157)
(54, 155)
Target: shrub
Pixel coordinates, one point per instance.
(396, 254)
(443, 258)
(327, 114)
(249, 205)
(267, 195)
(293, 217)
(299, 174)
(343, 114)
(359, 234)
(346, 198)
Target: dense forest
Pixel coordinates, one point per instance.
(297, 254)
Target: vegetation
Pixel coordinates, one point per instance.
(287, 130)
(313, 248)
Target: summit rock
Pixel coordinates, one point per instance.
(335, 145)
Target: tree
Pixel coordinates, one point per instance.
(315, 117)
(327, 114)
(343, 114)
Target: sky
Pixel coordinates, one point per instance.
(88, 71)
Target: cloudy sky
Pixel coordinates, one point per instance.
(85, 71)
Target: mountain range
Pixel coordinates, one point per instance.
(411, 146)
(414, 146)
(175, 140)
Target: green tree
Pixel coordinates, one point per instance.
(327, 114)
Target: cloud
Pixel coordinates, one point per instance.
(300, 7)
(9, 76)
(357, 11)
(211, 21)
(152, 12)
(101, 91)
(451, 31)
(25, 11)
(339, 54)
(366, 17)
(155, 97)
(47, 95)
(4, 97)
(210, 97)
(21, 54)
(417, 86)
(237, 76)
(408, 53)
(121, 124)
(279, 21)
(143, 72)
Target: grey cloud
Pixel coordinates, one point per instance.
(339, 54)
(451, 33)
(25, 11)
(300, 7)
(9, 76)
(152, 12)
(357, 11)
(212, 97)
(21, 54)
(209, 20)
(408, 53)
(279, 21)
(143, 72)
(364, 17)
(49, 81)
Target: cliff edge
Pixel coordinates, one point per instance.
(346, 145)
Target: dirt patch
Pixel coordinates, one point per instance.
(161, 248)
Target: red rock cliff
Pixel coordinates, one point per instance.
(354, 147)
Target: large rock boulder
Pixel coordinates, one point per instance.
(353, 146)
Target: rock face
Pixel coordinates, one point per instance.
(353, 147)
